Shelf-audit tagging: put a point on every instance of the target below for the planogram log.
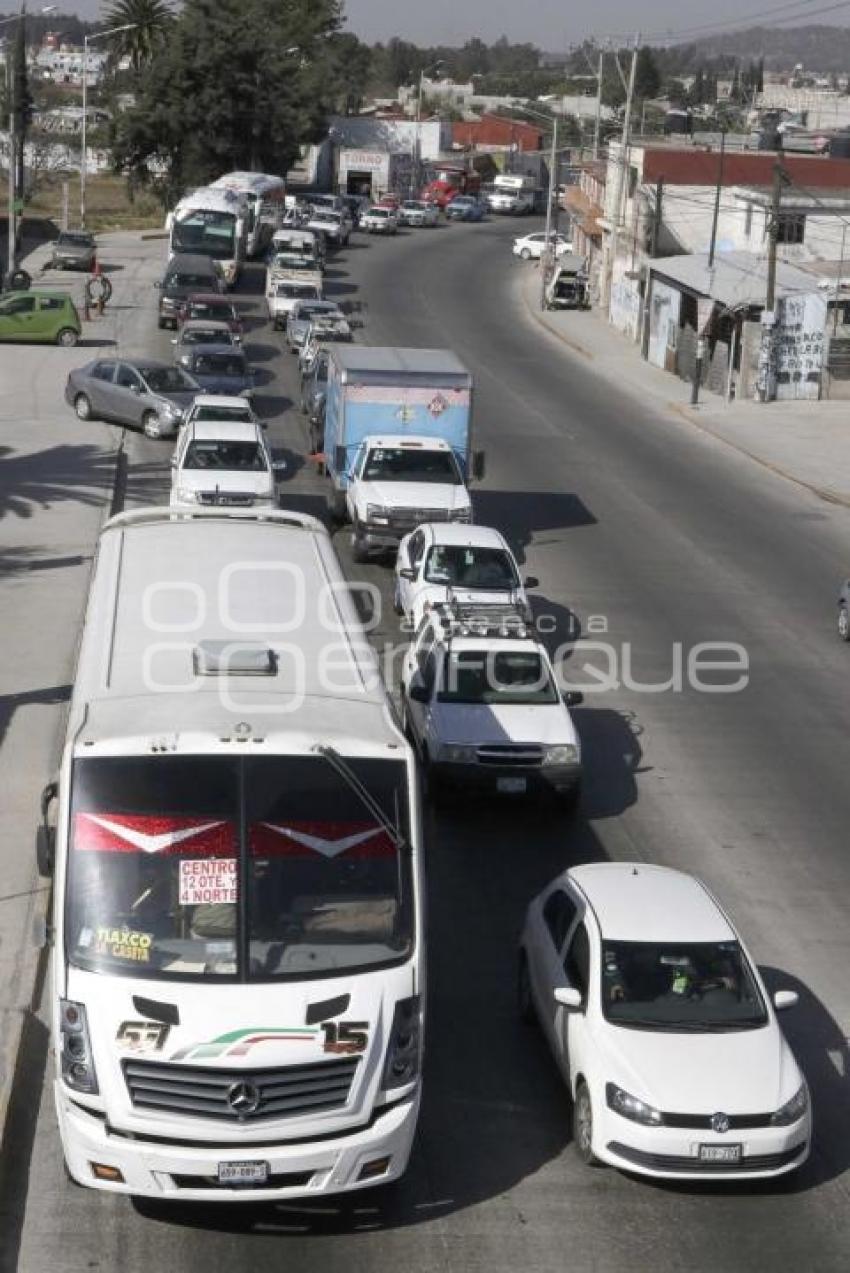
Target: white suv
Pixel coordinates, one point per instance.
(223, 463)
(482, 707)
(443, 560)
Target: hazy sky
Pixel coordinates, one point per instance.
(550, 24)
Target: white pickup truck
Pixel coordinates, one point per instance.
(512, 194)
(396, 484)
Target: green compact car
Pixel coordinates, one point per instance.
(47, 317)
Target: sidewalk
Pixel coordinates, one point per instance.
(805, 442)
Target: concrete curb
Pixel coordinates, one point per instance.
(14, 1022)
(829, 497)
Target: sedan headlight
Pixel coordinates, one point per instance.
(458, 754)
(629, 1106)
(377, 513)
(76, 1055)
(792, 1111)
(562, 754)
(404, 1048)
(169, 411)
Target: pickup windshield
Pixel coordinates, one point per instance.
(695, 987)
(241, 457)
(405, 464)
(205, 336)
(248, 869)
(518, 678)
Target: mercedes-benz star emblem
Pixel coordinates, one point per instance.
(243, 1098)
(720, 1122)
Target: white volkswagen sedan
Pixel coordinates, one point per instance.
(472, 564)
(661, 1027)
(530, 246)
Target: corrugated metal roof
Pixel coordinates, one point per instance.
(736, 278)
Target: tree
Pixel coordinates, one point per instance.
(238, 84)
(647, 77)
(150, 21)
(22, 97)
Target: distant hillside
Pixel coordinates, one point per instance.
(819, 48)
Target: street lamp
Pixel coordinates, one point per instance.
(87, 40)
(435, 66)
(547, 259)
(11, 224)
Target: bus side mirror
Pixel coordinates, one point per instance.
(339, 459)
(478, 465)
(45, 836)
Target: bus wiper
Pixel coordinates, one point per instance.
(349, 777)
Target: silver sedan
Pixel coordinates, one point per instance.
(150, 395)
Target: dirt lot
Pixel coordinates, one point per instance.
(108, 206)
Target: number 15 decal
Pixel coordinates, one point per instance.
(345, 1037)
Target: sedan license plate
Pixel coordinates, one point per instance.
(511, 786)
(720, 1153)
(243, 1173)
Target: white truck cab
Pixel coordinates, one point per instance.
(398, 481)
(482, 705)
(237, 982)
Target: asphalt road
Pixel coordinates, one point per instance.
(665, 538)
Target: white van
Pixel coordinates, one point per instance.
(238, 967)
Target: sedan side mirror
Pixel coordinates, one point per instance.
(45, 836)
(568, 997)
(418, 694)
(407, 572)
(573, 698)
(532, 582)
(783, 999)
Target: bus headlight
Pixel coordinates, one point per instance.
(404, 1049)
(76, 1055)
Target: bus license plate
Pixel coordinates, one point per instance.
(720, 1153)
(243, 1173)
(511, 786)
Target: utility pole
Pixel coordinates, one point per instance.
(647, 282)
(716, 212)
(621, 172)
(547, 259)
(598, 121)
(11, 226)
(773, 232)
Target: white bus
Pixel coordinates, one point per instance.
(210, 222)
(238, 963)
(265, 197)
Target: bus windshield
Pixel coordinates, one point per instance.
(240, 869)
(206, 233)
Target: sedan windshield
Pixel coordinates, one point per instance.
(404, 464)
(208, 309)
(498, 678)
(218, 414)
(205, 336)
(168, 380)
(220, 365)
(692, 987)
(244, 457)
(470, 567)
(75, 240)
(250, 869)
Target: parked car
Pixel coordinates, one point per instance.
(219, 408)
(465, 207)
(214, 306)
(323, 316)
(44, 317)
(378, 220)
(186, 274)
(223, 463)
(661, 1026)
(530, 246)
(483, 709)
(389, 200)
(417, 212)
(221, 369)
(74, 250)
(141, 392)
(471, 564)
(200, 331)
